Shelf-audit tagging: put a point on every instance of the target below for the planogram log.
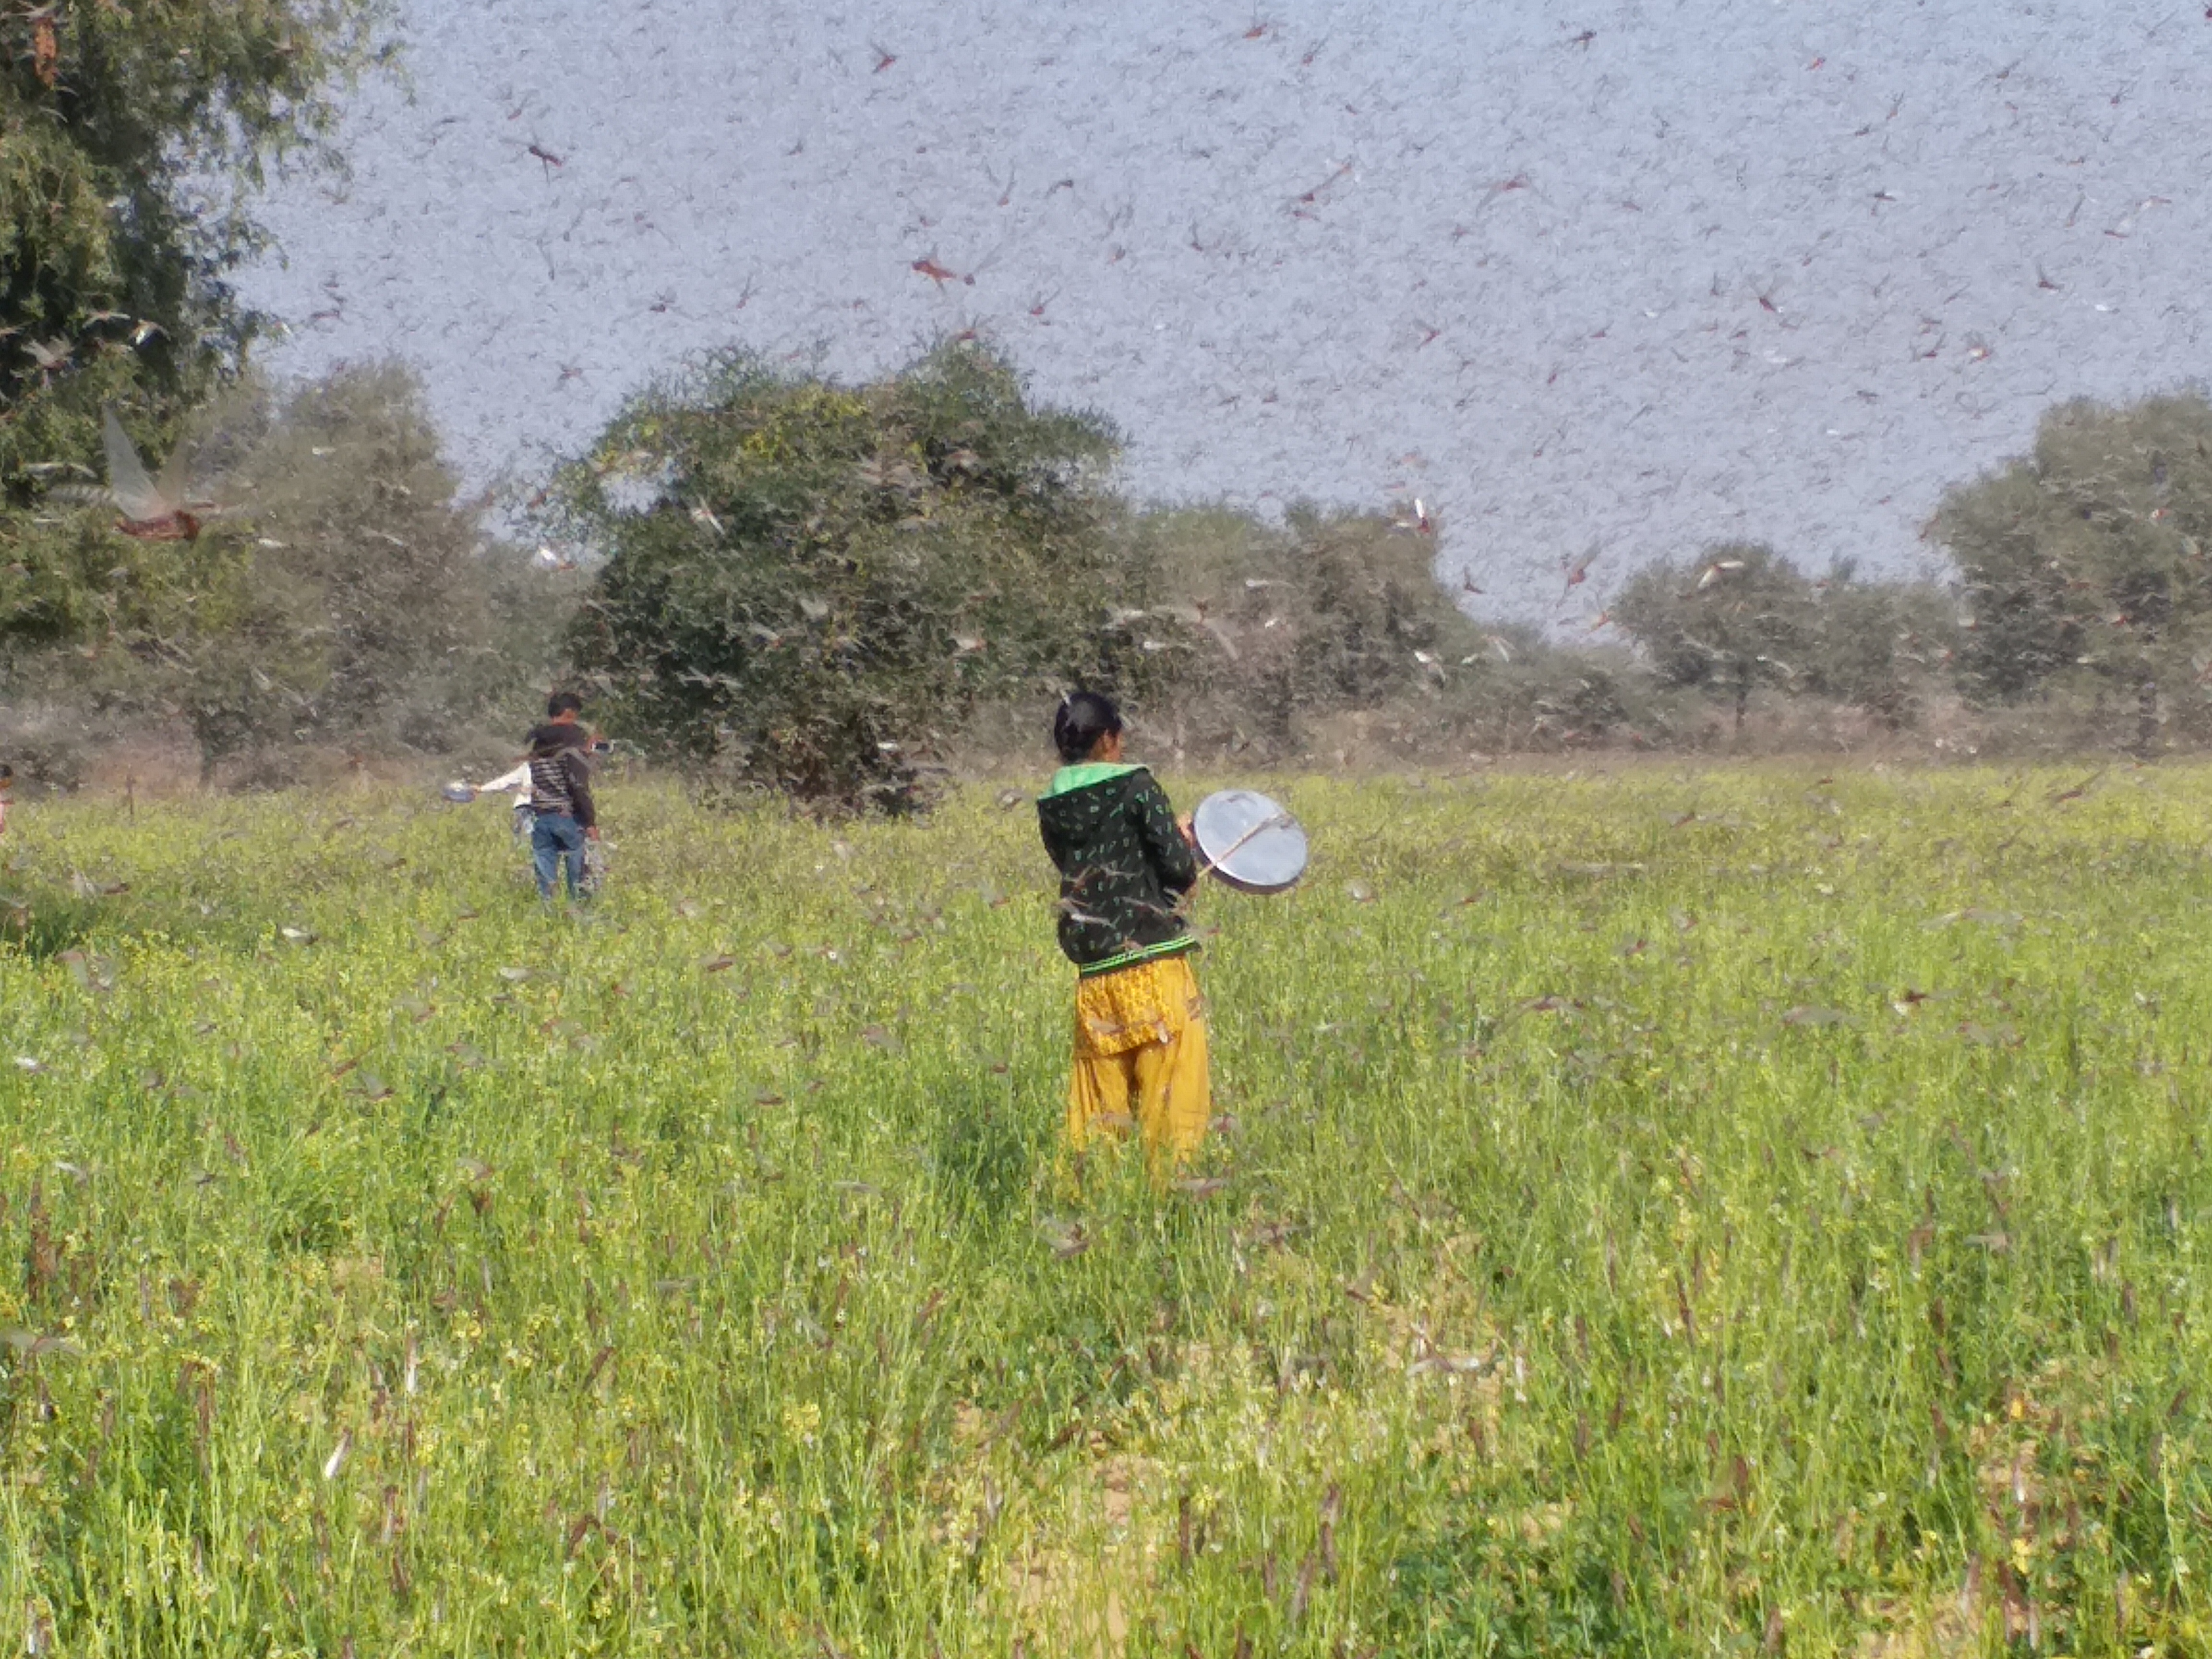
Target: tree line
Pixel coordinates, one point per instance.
(814, 587)
(771, 579)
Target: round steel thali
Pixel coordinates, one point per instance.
(1249, 841)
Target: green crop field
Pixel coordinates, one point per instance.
(1736, 1212)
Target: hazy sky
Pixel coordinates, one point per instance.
(1629, 276)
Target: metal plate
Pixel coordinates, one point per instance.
(1249, 841)
(460, 793)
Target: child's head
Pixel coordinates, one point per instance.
(1085, 720)
(563, 706)
(7, 776)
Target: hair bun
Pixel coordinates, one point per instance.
(1083, 718)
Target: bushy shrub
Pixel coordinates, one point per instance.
(806, 584)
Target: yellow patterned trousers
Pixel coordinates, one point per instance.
(1140, 1061)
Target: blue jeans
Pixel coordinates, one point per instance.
(552, 840)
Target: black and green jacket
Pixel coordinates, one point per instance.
(1123, 865)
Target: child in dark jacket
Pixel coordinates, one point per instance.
(563, 816)
(1126, 873)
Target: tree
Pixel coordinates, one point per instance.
(1875, 645)
(131, 141)
(1208, 605)
(1380, 625)
(1257, 623)
(389, 603)
(1741, 617)
(807, 583)
(365, 611)
(2086, 560)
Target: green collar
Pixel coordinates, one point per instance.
(1070, 778)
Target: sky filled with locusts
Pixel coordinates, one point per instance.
(1625, 275)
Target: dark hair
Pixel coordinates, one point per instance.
(7, 773)
(1083, 718)
(563, 702)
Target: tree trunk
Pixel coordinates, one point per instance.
(1742, 696)
(2147, 719)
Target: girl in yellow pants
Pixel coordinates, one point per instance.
(1140, 1058)
(1126, 872)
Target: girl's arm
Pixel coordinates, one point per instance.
(1164, 843)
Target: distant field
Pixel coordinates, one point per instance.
(1743, 1212)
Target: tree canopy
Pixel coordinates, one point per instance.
(1743, 616)
(364, 610)
(2087, 558)
(131, 141)
(1329, 611)
(806, 583)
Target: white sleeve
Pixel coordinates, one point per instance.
(518, 779)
